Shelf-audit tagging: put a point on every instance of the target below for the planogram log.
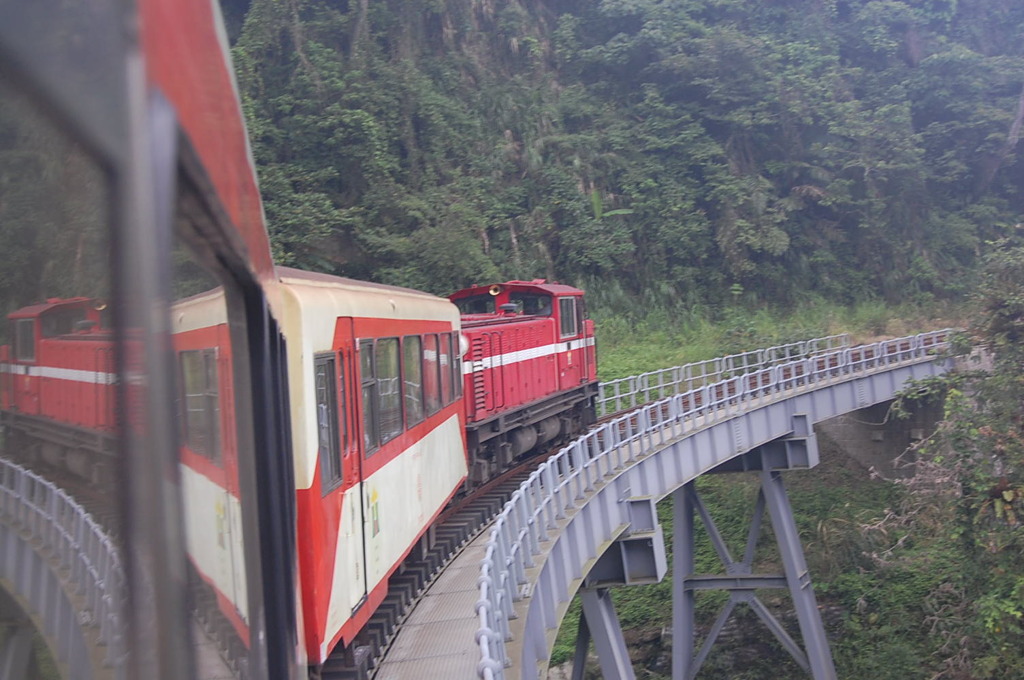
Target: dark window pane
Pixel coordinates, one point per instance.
(201, 402)
(431, 374)
(446, 368)
(412, 367)
(477, 304)
(25, 340)
(327, 422)
(457, 364)
(531, 303)
(371, 440)
(63, 321)
(389, 393)
(343, 424)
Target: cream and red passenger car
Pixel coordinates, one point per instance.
(377, 428)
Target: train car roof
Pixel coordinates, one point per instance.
(535, 286)
(288, 274)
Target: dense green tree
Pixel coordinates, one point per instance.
(668, 148)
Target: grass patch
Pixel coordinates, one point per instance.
(628, 346)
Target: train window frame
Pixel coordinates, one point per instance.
(150, 168)
(568, 324)
(446, 367)
(21, 342)
(266, 484)
(331, 469)
(412, 355)
(368, 383)
(432, 402)
(457, 365)
(194, 432)
(389, 402)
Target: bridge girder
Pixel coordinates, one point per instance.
(583, 519)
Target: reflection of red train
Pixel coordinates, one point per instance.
(60, 369)
(385, 393)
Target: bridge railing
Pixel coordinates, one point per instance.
(636, 390)
(566, 478)
(77, 546)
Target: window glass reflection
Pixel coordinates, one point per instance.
(58, 424)
(210, 463)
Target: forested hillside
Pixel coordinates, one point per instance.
(676, 150)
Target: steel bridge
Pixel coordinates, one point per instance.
(583, 522)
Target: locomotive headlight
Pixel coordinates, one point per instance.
(463, 345)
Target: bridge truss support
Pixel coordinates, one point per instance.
(600, 622)
(796, 451)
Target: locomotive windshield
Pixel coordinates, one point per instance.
(477, 304)
(532, 303)
(62, 321)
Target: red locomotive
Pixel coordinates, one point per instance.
(60, 370)
(529, 369)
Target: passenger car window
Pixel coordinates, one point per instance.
(327, 421)
(389, 391)
(412, 371)
(371, 439)
(201, 402)
(431, 374)
(446, 368)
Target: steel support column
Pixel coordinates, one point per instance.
(683, 565)
(799, 580)
(579, 659)
(739, 578)
(602, 624)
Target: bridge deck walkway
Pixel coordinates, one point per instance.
(436, 639)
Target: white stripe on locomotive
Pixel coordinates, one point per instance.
(472, 366)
